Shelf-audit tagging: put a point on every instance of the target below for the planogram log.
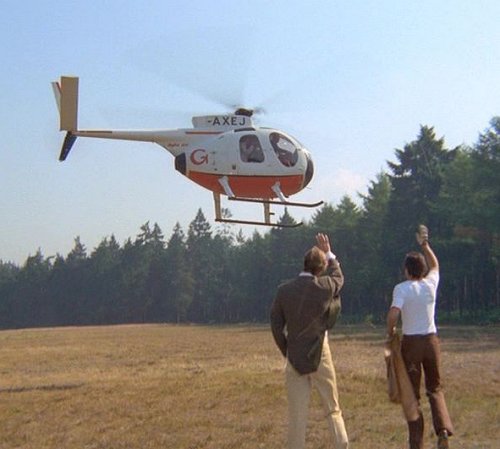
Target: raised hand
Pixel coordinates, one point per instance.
(422, 235)
(323, 242)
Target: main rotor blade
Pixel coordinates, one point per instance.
(212, 63)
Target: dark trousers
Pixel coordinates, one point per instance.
(422, 351)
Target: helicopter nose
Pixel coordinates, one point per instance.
(180, 163)
(309, 170)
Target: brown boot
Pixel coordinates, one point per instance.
(443, 440)
(416, 433)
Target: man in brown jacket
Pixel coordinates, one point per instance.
(302, 312)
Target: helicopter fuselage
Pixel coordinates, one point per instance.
(251, 159)
(249, 162)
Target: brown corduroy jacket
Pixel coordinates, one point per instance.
(398, 383)
(303, 309)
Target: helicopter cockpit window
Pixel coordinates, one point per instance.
(250, 149)
(284, 148)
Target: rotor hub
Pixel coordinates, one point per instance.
(244, 111)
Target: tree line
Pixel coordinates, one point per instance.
(206, 275)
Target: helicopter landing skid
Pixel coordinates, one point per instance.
(280, 203)
(258, 223)
(267, 211)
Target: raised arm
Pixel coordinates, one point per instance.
(334, 271)
(423, 240)
(430, 257)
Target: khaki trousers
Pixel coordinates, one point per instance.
(299, 392)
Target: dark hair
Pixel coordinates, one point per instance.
(314, 261)
(415, 265)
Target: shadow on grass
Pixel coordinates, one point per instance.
(52, 387)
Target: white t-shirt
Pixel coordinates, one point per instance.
(417, 302)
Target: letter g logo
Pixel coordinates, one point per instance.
(199, 157)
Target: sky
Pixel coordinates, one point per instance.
(352, 80)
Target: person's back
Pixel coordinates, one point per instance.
(307, 297)
(417, 301)
(304, 302)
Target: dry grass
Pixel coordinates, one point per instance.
(194, 387)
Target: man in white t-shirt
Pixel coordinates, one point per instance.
(415, 300)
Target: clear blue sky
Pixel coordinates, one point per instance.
(352, 80)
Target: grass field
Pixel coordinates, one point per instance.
(194, 387)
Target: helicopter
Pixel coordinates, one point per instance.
(226, 154)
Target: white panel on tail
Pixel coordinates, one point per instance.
(57, 93)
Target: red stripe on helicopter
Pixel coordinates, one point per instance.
(250, 186)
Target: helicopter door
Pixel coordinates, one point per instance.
(250, 149)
